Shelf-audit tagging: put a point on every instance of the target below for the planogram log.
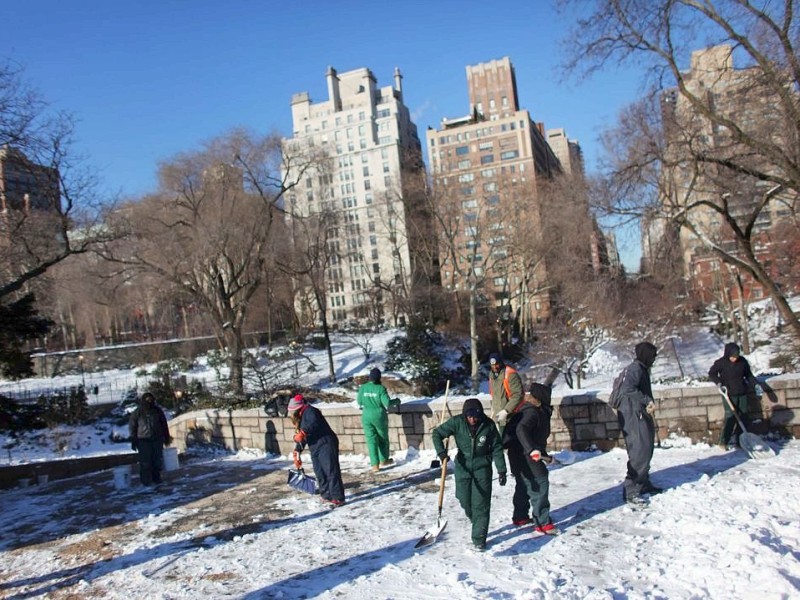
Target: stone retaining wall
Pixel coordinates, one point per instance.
(579, 421)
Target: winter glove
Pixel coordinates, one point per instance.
(300, 436)
(296, 459)
(502, 479)
(650, 408)
(501, 417)
(394, 402)
(536, 456)
(298, 447)
(444, 457)
(134, 445)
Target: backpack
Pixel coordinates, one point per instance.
(615, 398)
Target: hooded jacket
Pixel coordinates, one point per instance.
(735, 375)
(636, 387)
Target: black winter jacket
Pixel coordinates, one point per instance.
(734, 375)
(316, 428)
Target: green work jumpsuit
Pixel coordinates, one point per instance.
(374, 401)
(473, 467)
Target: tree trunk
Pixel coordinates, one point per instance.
(235, 344)
(473, 336)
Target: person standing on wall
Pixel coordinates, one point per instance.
(149, 434)
(312, 430)
(505, 386)
(636, 422)
(526, 439)
(374, 401)
(731, 372)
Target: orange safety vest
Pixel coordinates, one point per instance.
(507, 387)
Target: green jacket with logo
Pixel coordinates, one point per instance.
(475, 454)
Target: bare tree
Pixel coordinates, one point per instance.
(50, 200)
(211, 226)
(314, 263)
(732, 132)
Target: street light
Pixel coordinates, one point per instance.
(83, 376)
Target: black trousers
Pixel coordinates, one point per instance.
(151, 460)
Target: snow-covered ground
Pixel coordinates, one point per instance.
(726, 527)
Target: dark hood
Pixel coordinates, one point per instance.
(541, 392)
(646, 353)
(732, 349)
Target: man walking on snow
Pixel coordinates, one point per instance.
(637, 425)
(478, 443)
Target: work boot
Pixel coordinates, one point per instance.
(387, 462)
(375, 468)
(548, 529)
(519, 521)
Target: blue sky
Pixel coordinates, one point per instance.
(153, 78)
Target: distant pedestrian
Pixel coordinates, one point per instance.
(732, 374)
(312, 430)
(505, 386)
(374, 401)
(478, 443)
(636, 422)
(149, 434)
(526, 439)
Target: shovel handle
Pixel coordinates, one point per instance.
(733, 409)
(441, 485)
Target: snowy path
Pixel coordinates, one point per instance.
(726, 528)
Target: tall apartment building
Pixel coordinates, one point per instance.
(371, 150)
(737, 94)
(25, 185)
(492, 153)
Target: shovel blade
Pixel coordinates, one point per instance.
(300, 481)
(755, 447)
(431, 535)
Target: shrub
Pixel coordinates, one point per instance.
(417, 354)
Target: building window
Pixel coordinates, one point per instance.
(509, 154)
(461, 150)
(464, 164)
(487, 158)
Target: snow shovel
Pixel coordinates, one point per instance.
(432, 533)
(751, 443)
(435, 463)
(300, 481)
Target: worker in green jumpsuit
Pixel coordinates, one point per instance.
(374, 401)
(478, 443)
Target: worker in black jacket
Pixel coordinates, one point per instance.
(526, 439)
(731, 372)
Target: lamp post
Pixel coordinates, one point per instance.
(83, 375)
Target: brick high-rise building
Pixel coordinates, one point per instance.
(496, 152)
(739, 95)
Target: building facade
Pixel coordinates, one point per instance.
(368, 152)
(486, 167)
(710, 189)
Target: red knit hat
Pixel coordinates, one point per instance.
(297, 402)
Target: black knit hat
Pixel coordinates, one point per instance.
(541, 392)
(471, 407)
(375, 375)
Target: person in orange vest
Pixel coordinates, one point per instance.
(505, 386)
